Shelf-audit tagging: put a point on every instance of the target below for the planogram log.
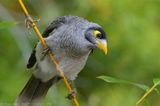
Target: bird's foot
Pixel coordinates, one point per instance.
(71, 95)
(30, 22)
(45, 52)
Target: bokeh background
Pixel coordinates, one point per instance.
(133, 29)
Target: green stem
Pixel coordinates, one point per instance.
(146, 94)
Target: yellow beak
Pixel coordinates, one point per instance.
(102, 45)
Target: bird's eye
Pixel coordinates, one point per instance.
(97, 34)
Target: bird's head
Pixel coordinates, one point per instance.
(97, 37)
(79, 36)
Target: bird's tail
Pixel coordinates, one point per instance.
(34, 92)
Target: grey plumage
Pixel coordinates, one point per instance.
(66, 38)
(34, 91)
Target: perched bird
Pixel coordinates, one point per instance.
(71, 39)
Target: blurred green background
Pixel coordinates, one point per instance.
(133, 29)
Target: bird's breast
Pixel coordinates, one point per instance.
(72, 66)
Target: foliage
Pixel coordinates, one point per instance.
(119, 81)
(6, 24)
(156, 83)
(144, 87)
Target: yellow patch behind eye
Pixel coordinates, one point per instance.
(96, 32)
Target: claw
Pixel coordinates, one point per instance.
(71, 95)
(29, 22)
(45, 52)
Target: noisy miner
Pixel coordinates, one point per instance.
(71, 39)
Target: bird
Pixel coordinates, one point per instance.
(71, 39)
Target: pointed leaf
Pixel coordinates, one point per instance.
(115, 80)
(156, 81)
(7, 24)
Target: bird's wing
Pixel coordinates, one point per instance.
(32, 59)
(55, 24)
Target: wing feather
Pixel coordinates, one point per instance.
(53, 26)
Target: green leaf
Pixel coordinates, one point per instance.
(156, 81)
(119, 81)
(111, 79)
(7, 24)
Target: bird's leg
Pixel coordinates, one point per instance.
(45, 52)
(72, 94)
(29, 23)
